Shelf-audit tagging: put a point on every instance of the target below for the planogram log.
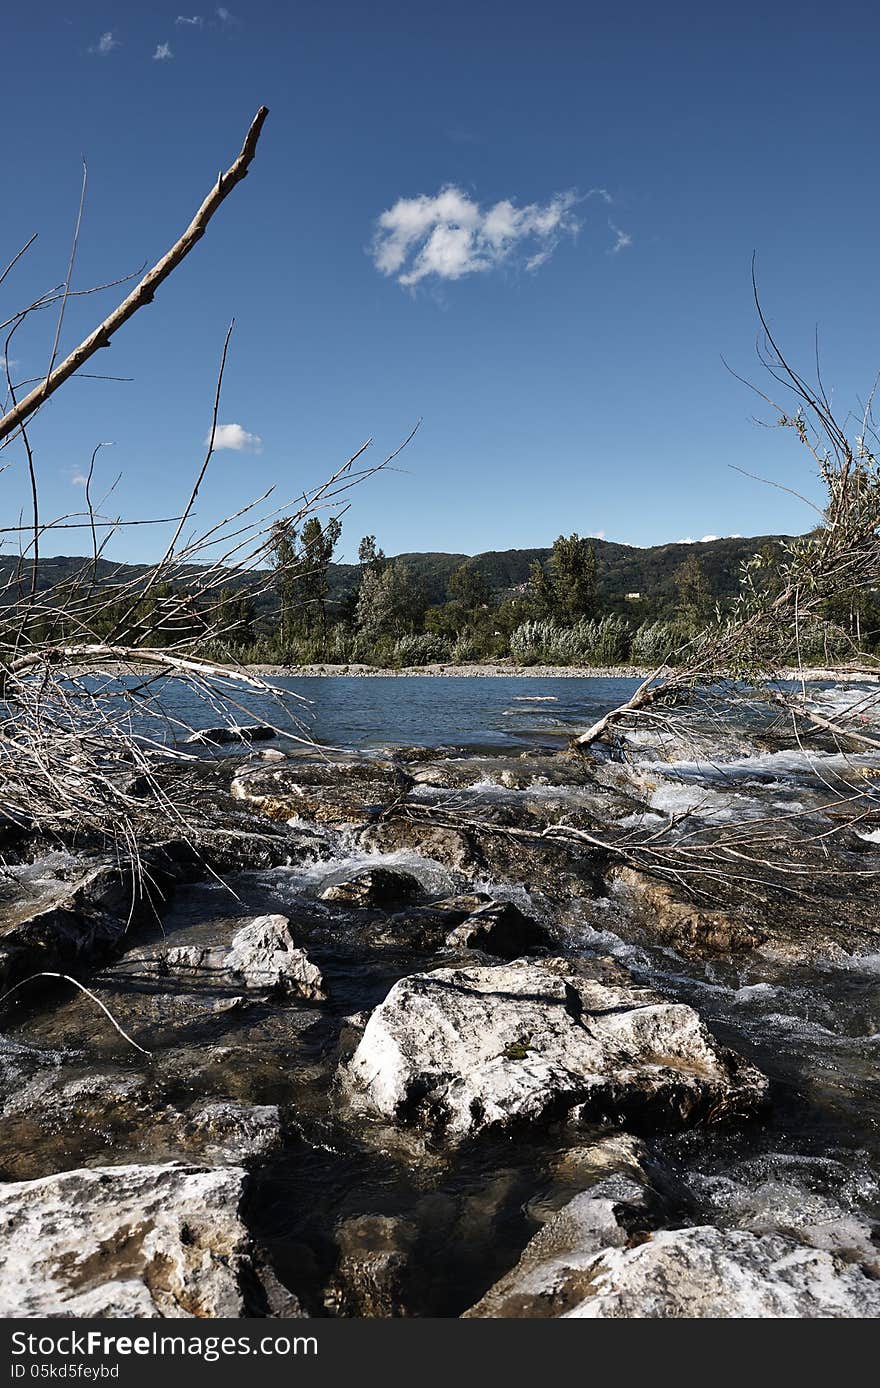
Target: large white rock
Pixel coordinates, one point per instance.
(262, 955)
(708, 1273)
(127, 1241)
(459, 1051)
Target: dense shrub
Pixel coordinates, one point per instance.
(419, 650)
(654, 642)
(587, 642)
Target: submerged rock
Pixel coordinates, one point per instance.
(682, 923)
(457, 1052)
(132, 1241)
(262, 955)
(374, 1275)
(227, 1131)
(707, 1273)
(377, 887)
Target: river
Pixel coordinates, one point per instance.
(811, 1023)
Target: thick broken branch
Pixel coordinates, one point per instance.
(145, 290)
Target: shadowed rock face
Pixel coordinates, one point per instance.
(131, 1241)
(378, 887)
(458, 1052)
(499, 928)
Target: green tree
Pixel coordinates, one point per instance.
(390, 602)
(573, 572)
(370, 556)
(302, 560)
(468, 588)
(692, 589)
(541, 591)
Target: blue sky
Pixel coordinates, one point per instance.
(564, 312)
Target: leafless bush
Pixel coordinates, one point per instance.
(85, 727)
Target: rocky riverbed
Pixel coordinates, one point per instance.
(433, 1033)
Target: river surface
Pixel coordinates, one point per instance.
(413, 711)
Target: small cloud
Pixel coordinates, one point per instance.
(79, 479)
(105, 45)
(688, 540)
(449, 235)
(225, 16)
(707, 539)
(596, 535)
(163, 51)
(623, 239)
(234, 437)
(195, 21)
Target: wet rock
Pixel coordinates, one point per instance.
(500, 928)
(378, 887)
(85, 918)
(338, 793)
(682, 923)
(457, 1052)
(576, 1169)
(145, 1241)
(228, 733)
(782, 1207)
(454, 848)
(707, 1273)
(554, 1272)
(225, 1131)
(374, 1275)
(262, 955)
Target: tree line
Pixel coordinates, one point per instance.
(560, 616)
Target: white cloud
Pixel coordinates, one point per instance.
(78, 479)
(233, 436)
(225, 16)
(195, 20)
(450, 235)
(596, 535)
(105, 45)
(163, 51)
(707, 539)
(623, 239)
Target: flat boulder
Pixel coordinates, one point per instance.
(131, 1241)
(461, 1051)
(712, 1274)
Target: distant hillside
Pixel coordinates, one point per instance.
(621, 570)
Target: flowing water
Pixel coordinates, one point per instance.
(813, 1028)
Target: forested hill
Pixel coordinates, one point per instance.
(621, 570)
